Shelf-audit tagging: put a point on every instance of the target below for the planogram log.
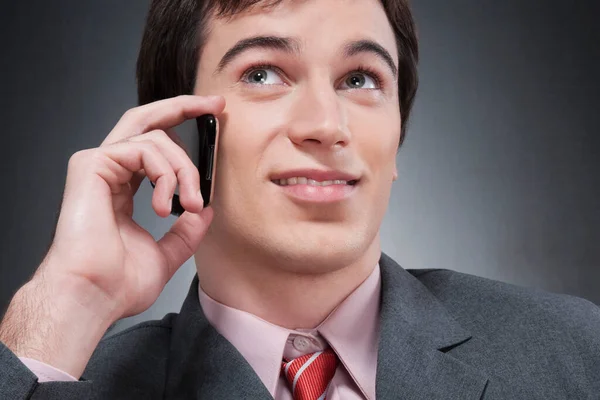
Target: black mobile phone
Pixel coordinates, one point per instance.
(200, 143)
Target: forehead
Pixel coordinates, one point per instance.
(317, 24)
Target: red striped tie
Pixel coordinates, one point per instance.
(309, 375)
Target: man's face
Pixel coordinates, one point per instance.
(309, 96)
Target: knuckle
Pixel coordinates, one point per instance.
(80, 156)
(95, 157)
(75, 157)
(159, 135)
(169, 179)
(136, 117)
(148, 146)
(132, 113)
(193, 172)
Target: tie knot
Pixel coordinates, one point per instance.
(310, 375)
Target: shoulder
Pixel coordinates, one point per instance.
(147, 335)
(472, 295)
(133, 358)
(522, 335)
(540, 334)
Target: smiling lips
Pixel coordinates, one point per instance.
(315, 186)
(301, 180)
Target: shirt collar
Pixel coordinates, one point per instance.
(352, 330)
(260, 342)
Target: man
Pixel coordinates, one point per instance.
(293, 298)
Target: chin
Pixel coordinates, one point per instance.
(330, 240)
(314, 251)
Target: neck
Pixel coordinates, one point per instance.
(258, 285)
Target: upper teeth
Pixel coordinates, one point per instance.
(305, 181)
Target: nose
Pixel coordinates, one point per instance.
(318, 119)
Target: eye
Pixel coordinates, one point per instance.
(262, 76)
(360, 80)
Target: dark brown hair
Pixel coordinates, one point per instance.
(175, 32)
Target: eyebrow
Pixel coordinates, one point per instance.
(369, 46)
(292, 46)
(288, 45)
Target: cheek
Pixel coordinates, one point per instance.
(247, 131)
(376, 139)
(236, 149)
(243, 139)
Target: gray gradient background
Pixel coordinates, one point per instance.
(499, 176)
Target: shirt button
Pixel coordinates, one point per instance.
(301, 343)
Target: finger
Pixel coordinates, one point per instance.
(163, 115)
(127, 158)
(184, 237)
(186, 172)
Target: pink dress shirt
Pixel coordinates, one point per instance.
(351, 330)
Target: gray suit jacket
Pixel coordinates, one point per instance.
(444, 335)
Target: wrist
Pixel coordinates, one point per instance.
(58, 321)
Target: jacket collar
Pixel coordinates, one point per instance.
(203, 364)
(415, 333)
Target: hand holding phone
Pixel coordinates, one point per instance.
(102, 266)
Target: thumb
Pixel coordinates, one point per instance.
(184, 237)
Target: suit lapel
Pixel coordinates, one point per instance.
(203, 364)
(415, 334)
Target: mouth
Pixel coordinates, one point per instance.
(302, 180)
(316, 186)
(314, 177)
